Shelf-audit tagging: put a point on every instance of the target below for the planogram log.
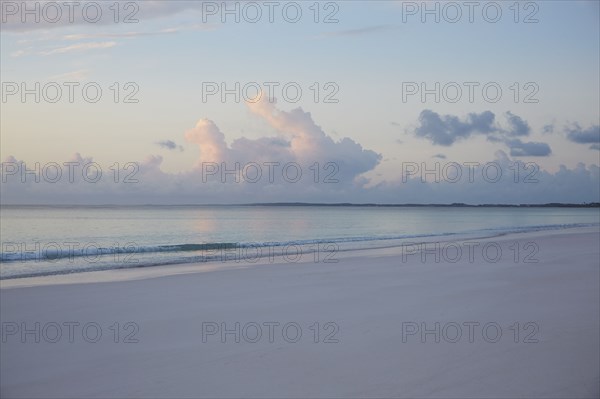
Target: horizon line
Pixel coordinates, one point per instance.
(332, 204)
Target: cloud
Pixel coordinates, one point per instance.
(445, 130)
(35, 39)
(80, 47)
(135, 34)
(519, 127)
(548, 129)
(521, 149)
(210, 140)
(583, 136)
(169, 145)
(358, 31)
(21, 53)
(153, 186)
(331, 170)
(299, 140)
(88, 36)
(533, 185)
(78, 75)
(139, 10)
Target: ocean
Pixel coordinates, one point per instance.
(46, 240)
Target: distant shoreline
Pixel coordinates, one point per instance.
(309, 204)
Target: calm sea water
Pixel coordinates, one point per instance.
(53, 240)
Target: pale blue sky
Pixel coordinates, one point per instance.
(368, 54)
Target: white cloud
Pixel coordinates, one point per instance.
(74, 76)
(80, 47)
(300, 140)
(134, 10)
(20, 53)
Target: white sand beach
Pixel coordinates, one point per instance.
(371, 308)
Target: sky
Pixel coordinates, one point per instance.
(348, 101)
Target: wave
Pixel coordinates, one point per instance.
(54, 251)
